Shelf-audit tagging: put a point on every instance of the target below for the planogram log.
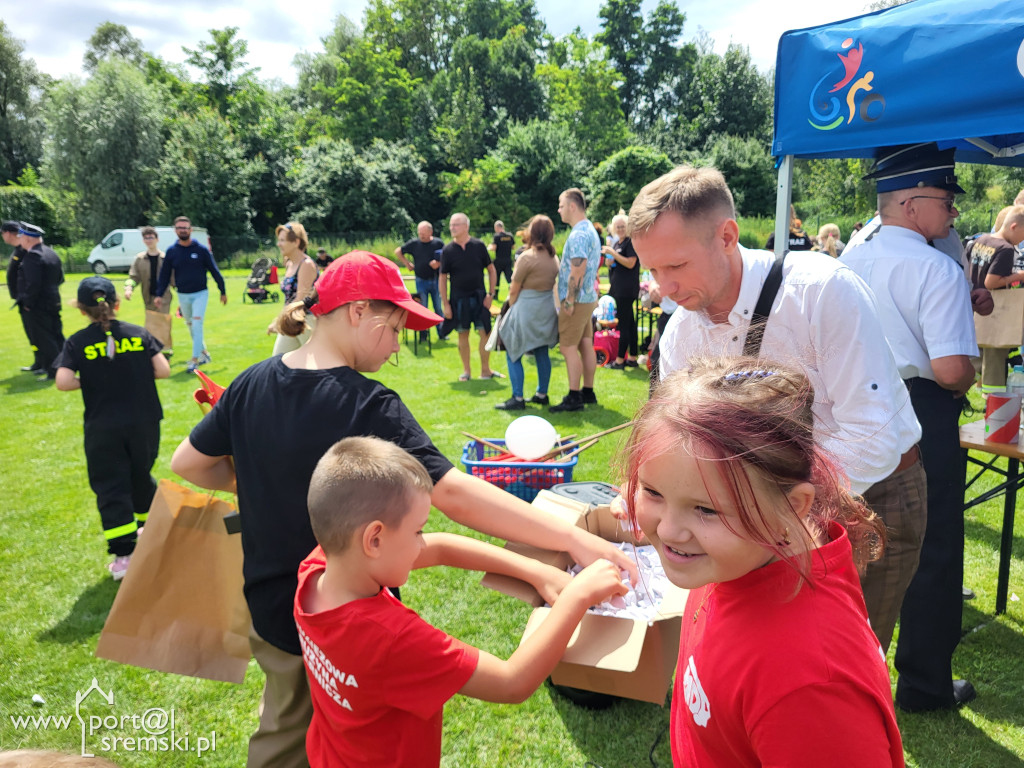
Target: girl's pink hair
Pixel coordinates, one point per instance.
(747, 418)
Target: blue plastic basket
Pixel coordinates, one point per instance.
(524, 479)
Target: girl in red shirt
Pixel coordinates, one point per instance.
(725, 479)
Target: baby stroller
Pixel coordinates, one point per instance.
(263, 273)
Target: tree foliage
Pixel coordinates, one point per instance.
(370, 95)
(725, 95)
(112, 41)
(337, 190)
(747, 167)
(21, 122)
(582, 96)
(486, 192)
(547, 161)
(615, 182)
(205, 175)
(465, 103)
(222, 62)
(106, 141)
(649, 57)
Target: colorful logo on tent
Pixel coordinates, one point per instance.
(852, 96)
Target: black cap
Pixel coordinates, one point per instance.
(30, 229)
(915, 165)
(88, 288)
(10, 226)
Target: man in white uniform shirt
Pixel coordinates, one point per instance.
(925, 308)
(822, 320)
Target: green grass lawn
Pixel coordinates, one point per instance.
(56, 591)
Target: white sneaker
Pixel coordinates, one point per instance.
(203, 358)
(119, 567)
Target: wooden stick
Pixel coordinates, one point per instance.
(488, 443)
(569, 446)
(579, 450)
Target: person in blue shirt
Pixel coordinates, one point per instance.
(188, 262)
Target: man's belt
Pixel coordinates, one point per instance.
(908, 459)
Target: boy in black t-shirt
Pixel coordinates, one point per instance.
(117, 365)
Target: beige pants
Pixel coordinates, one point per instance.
(285, 709)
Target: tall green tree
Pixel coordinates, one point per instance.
(371, 96)
(726, 95)
(461, 129)
(106, 141)
(423, 33)
(493, 19)
(112, 41)
(222, 62)
(648, 55)
(264, 124)
(21, 122)
(318, 72)
(582, 95)
(205, 175)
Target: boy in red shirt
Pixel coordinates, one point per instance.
(380, 675)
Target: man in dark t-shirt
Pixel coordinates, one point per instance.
(463, 262)
(425, 250)
(501, 246)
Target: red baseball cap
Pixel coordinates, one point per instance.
(362, 275)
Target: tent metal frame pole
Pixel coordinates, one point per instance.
(783, 200)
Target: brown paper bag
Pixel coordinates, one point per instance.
(1005, 326)
(159, 324)
(180, 607)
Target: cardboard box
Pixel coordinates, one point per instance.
(628, 658)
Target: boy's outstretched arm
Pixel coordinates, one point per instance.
(474, 555)
(515, 680)
(486, 508)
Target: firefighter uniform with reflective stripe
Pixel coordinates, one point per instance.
(122, 423)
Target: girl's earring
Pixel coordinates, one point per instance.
(785, 539)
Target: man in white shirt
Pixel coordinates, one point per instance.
(925, 309)
(824, 321)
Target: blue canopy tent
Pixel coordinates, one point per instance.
(947, 71)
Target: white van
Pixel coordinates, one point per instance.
(118, 249)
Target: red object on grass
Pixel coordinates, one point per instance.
(272, 277)
(210, 393)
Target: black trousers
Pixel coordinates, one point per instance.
(28, 335)
(627, 325)
(119, 462)
(46, 335)
(504, 268)
(933, 605)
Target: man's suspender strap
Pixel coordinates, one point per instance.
(770, 289)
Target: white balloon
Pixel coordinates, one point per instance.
(530, 437)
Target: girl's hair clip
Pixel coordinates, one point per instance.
(743, 375)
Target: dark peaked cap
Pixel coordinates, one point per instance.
(914, 165)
